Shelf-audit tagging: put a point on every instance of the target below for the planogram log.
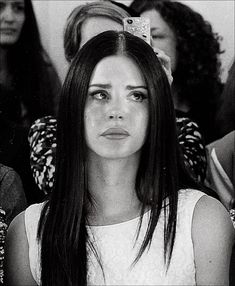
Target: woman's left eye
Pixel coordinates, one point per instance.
(138, 96)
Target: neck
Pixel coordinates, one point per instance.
(112, 186)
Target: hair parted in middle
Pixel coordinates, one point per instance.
(160, 174)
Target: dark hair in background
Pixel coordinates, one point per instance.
(27, 63)
(197, 74)
(161, 172)
(226, 113)
(129, 10)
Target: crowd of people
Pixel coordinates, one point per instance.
(124, 174)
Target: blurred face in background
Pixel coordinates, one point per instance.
(12, 18)
(163, 37)
(96, 25)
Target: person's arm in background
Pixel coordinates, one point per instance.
(12, 196)
(16, 265)
(213, 238)
(220, 171)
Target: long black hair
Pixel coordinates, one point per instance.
(62, 230)
(197, 73)
(28, 64)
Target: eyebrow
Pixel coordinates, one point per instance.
(154, 29)
(100, 85)
(129, 87)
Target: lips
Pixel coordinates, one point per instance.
(115, 134)
(7, 30)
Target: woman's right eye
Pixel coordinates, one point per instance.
(157, 36)
(18, 7)
(2, 6)
(99, 95)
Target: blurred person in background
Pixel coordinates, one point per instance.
(29, 87)
(12, 196)
(194, 50)
(26, 72)
(225, 119)
(221, 155)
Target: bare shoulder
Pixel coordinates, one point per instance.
(213, 238)
(210, 214)
(17, 270)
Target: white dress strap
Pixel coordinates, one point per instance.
(32, 217)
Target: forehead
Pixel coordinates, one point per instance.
(117, 68)
(96, 25)
(156, 20)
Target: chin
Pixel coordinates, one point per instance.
(6, 41)
(116, 154)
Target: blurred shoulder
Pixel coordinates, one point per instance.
(5, 170)
(17, 265)
(212, 220)
(213, 239)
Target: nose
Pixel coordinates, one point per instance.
(7, 14)
(115, 115)
(116, 110)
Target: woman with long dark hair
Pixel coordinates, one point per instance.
(29, 87)
(29, 84)
(84, 22)
(120, 212)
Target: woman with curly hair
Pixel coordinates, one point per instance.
(194, 50)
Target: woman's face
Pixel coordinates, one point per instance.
(96, 25)
(162, 35)
(12, 17)
(116, 112)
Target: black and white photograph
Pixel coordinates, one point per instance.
(117, 142)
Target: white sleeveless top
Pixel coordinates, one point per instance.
(116, 247)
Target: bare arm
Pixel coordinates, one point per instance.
(17, 269)
(213, 237)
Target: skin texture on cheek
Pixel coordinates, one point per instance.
(96, 123)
